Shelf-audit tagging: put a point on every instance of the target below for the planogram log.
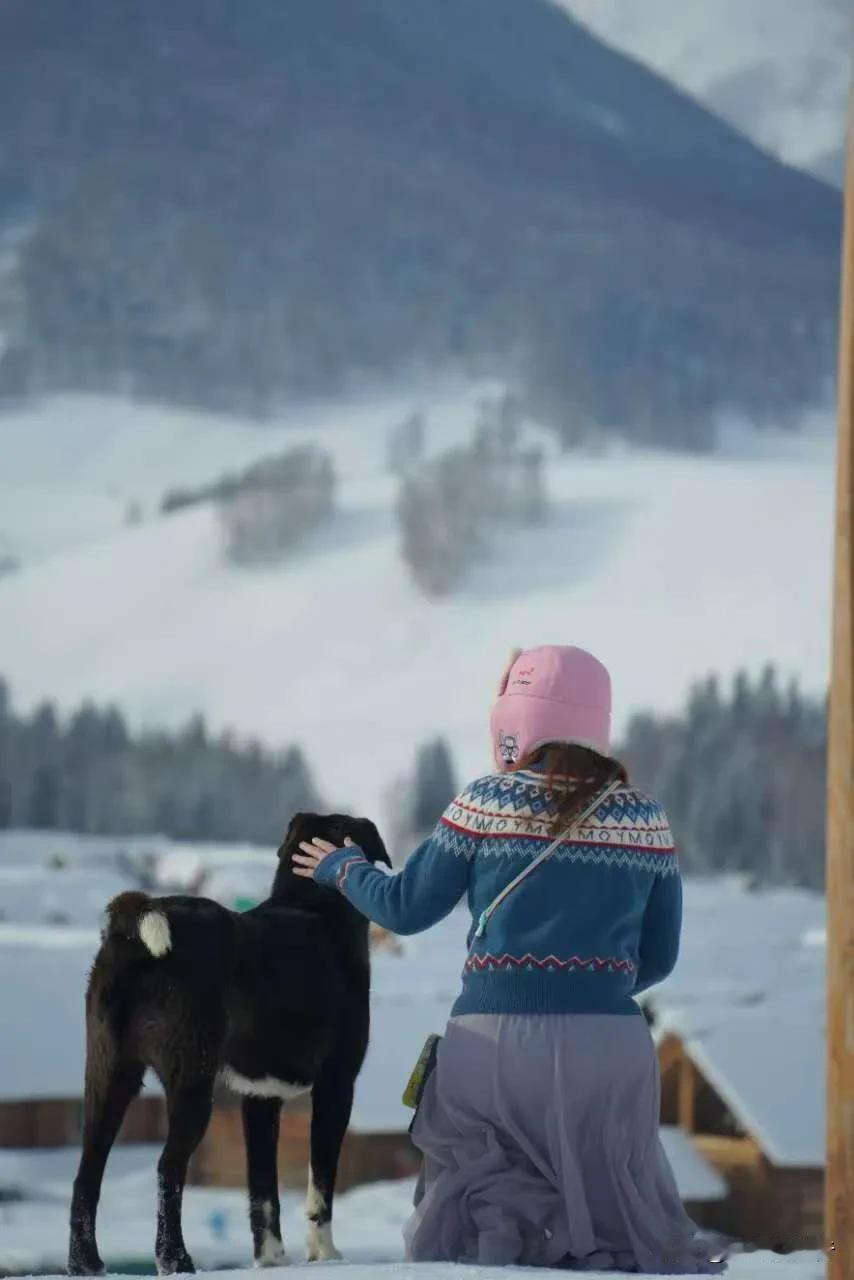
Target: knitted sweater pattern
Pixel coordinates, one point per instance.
(593, 926)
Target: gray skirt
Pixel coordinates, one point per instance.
(541, 1148)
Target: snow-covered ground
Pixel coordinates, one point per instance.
(779, 70)
(34, 1233)
(368, 1226)
(668, 566)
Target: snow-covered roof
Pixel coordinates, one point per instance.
(741, 947)
(47, 875)
(748, 1000)
(768, 1066)
(41, 1010)
(697, 1179)
(411, 997)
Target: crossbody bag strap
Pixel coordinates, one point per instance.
(546, 853)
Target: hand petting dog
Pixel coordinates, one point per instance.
(315, 851)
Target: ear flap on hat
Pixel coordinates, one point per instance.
(502, 684)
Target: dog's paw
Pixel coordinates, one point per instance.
(89, 1265)
(177, 1264)
(323, 1255)
(319, 1245)
(272, 1255)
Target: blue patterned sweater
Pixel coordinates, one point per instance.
(593, 926)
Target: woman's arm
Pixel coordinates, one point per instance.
(660, 931)
(430, 885)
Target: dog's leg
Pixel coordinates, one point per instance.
(332, 1102)
(189, 1106)
(261, 1132)
(110, 1087)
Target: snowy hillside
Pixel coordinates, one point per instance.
(668, 566)
(73, 466)
(777, 69)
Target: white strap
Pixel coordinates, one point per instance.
(541, 857)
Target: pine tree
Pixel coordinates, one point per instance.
(742, 778)
(92, 775)
(434, 784)
(44, 799)
(6, 755)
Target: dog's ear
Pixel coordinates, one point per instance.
(291, 836)
(371, 842)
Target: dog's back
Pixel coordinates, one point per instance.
(161, 969)
(262, 991)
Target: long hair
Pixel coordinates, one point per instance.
(574, 775)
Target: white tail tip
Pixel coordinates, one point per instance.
(154, 933)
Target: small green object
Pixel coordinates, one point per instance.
(244, 904)
(426, 1061)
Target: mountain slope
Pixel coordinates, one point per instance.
(779, 70)
(668, 567)
(235, 204)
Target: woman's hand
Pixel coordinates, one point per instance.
(314, 853)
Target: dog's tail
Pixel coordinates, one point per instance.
(136, 916)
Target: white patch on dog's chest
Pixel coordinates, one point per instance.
(264, 1087)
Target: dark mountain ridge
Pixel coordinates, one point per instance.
(234, 204)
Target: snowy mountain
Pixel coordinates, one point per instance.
(667, 565)
(779, 70)
(276, 200)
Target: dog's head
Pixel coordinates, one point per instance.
(334, 827)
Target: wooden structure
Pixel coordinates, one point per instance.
(769, 1205)
(41, 1123)
(839, 1202)
(366, 1157)
(58, 1122)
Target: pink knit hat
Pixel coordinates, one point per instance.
(555, 693)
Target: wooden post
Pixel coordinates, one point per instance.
(839, 1185)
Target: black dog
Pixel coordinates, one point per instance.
(272, 1002)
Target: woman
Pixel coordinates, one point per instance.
(539, 1123)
